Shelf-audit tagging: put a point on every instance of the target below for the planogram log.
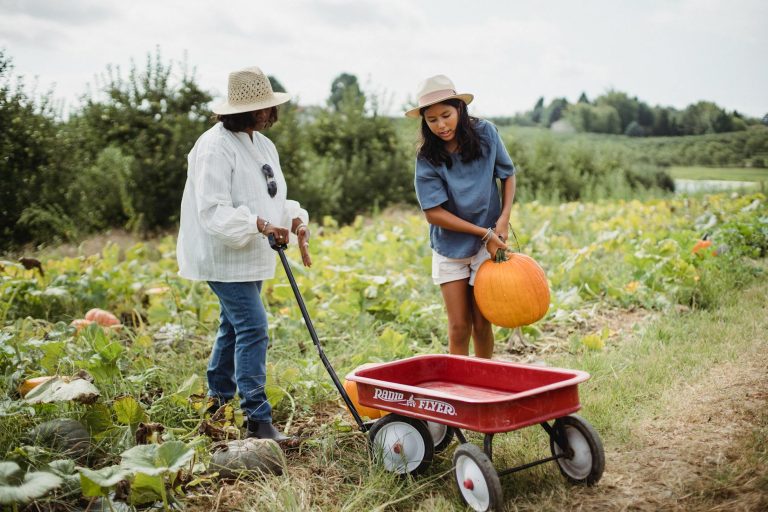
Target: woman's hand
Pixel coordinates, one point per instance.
(280, 234)
(302, 232)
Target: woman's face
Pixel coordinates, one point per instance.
(261, 119)
(442, 120)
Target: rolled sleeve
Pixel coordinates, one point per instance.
(430, 187)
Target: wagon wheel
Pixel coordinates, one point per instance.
(404, 445)
(477, 479)
(442, 435)
(586, 463)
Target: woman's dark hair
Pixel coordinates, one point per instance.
(244, 120)
(432, 148)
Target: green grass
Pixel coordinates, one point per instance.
(719, 173)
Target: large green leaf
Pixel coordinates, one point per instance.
(17, 487)
(146, 489)
(153, 459)
(98, 482)
(129, 412)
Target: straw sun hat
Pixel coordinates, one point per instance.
(249, 89)
(436, 89)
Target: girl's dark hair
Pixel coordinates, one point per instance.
(245, 120)
(432, 148)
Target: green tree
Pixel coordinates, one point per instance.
(634, 130)
(345, 86)
(153, 117)
(583, 98)
(276, 85)
(626, 107)
(29, 167)
(359, 163)
(554, 111)
(538, 110)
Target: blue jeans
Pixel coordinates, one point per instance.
(239, 357)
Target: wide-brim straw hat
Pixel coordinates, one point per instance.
(249, 89)
(436, 89)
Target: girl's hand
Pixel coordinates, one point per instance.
(495, 243)
(302, 232)
(502, 228)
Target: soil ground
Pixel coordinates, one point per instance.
(702, 434)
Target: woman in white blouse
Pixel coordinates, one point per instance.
(234, 197)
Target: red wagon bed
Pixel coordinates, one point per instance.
(482, 395)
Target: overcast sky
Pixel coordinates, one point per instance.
(506, 52)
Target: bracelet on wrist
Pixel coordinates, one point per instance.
(302, 225)
(487, 235)
(263, 227)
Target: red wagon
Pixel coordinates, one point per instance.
(431, 398)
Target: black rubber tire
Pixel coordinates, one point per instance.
(441, 442)
(586, 465)
(395, 432)
(471, 463)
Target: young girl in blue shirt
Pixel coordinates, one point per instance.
(457, 167)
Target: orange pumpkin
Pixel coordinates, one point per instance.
(102, 317)
(700, 245)
(511, 290)
(351, 388)
(30, 384)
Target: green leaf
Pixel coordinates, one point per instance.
(17, 489)
(152, 459)
(98, 419)
(62, 467)
(129, 411)
(191, 386)
(275, 394)
(146, 489)
(98, 482)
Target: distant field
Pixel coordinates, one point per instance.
(719, 173)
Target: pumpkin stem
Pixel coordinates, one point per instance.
(501, 255)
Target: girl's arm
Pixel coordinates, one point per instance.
(507, 197)
(439, 216)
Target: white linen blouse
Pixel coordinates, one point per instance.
(225, 193)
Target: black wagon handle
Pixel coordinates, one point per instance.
(280, 248)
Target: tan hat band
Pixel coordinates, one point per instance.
(436, 95)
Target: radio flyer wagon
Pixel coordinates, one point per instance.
(432, 398)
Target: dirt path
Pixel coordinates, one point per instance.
(703, 433)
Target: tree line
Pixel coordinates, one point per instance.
(120, 159)
(616, 112)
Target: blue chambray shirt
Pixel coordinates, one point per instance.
(467, 190)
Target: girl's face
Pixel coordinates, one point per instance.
(442, 120)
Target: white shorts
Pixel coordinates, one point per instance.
(445, 270)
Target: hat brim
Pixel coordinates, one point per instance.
(278, 98)
(414, 113)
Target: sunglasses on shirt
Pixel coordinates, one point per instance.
(270, 176)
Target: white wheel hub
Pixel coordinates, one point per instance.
(580, 465)
(401, 447)
(472, 483)
(437, 431)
